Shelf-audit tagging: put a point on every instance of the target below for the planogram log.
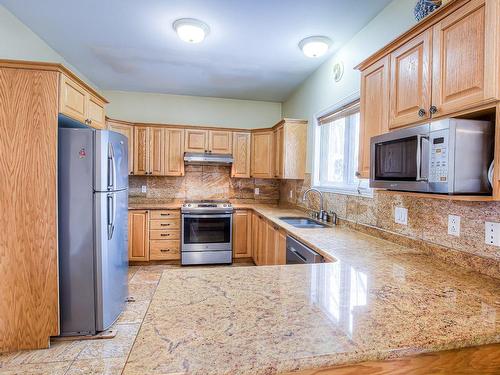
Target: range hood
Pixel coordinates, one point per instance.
(207, 158)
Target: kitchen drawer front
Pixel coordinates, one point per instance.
(165, 224)
(164, 235)
(164, 250)
(164, 214)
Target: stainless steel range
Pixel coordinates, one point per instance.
(206, 232)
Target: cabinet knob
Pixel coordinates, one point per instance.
(358, 174)
(421, 112)
(433, 109)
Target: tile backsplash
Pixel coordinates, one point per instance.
(427, 217)
(205, 182)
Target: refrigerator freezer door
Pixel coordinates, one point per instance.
(76, 226)
(111, 230)
(111, 161)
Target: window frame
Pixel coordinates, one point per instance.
(360, 189)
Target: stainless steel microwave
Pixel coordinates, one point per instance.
(449, 156)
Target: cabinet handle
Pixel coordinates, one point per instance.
(433, 109)
(164, 214)
(164, 225)
(165, 234)
(421, 112)
(164, 250)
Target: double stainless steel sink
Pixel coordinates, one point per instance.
(302, 222)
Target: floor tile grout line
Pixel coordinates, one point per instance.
(142, 322)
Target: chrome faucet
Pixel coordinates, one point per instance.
(322, 213)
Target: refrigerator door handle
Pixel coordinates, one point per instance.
(111, 167)
(111, 215)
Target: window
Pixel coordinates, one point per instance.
(337, 148)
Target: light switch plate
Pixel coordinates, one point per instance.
(454, 225)
(492, 233)
(257, 191)
(144, 189)
(401, 215)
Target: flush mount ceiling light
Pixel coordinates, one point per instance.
(315, 46)
(191, 30)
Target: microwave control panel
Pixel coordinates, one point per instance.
(438, 171)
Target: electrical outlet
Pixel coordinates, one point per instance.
(401, 215)
(144, 189)
(492, 233)
(454, 225)
(257, 191)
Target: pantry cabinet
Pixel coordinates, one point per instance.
(242, 234)
(241, 155)
(138, 235)
(127, 130)
(77, 102)
(448, 64)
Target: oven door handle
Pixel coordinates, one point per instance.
(196, 216)
(420, 137)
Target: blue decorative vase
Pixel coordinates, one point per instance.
(424, 7)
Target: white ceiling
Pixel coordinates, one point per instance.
(251, 52)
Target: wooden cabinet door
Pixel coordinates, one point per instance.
(241, 155)
(464, 58)
(141, 150)
(281, 251)
(263, 154)
(96, 113)
(374, 104)
(156, 151)
(262, 241)
(257, 241)
(138, 235)
(410, 97)
(271, 255)
(196, 140)
(279, 152)
(127, 131)
(220, 142)
(242, 232)
(73, 99)
(174, 152)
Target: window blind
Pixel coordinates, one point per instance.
(344, 111)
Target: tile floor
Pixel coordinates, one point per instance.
(92, 357)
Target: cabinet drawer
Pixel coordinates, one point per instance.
(164, 214)
(165, 224)
(164, 250)
(164, 234)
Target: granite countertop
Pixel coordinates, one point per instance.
(378, 300)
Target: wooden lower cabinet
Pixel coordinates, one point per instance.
(281, 252)
(154, 235)
(268, 242)
(242, 234)
(138, 235)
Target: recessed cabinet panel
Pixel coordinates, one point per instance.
(174, 161)
(196, 140)
(220, 142)
(138, 236)
(73, 99)
(141, 150)
(96, 114)
(411, 81)
(241, 155)
(242, 227)
(157, 151)
(263, 154)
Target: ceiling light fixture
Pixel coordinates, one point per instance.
(315, 46)
(191, 30)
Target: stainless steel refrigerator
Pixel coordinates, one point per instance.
(93, 228)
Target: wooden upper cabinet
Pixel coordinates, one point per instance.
(263, 154)
(128, 131)
(174, 152)
(464, 57)
(241, 155)
(279, 152)
(242, 234)
(141, 150)
(80, 104)
(156, 151)
(73, 99)
(196, 140)
(411, 81)
(220, 142)
(292, 143)
(96, 113)
(374, 104)
(138, 235)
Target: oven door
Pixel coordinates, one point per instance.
(400, 159)
(206, 232)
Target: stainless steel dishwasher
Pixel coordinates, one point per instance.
(298, 253)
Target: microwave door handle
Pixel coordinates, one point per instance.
(420, 137)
